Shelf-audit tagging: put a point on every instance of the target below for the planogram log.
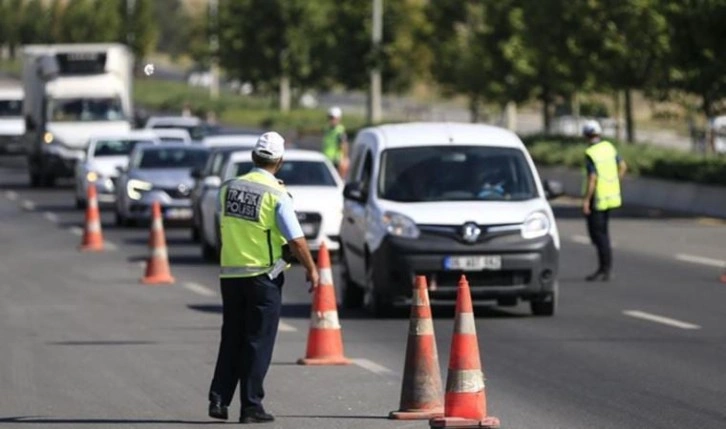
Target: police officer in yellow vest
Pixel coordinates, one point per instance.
(335, 141)
(258, 225)
(601, 189)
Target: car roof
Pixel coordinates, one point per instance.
(170, 132)
(170, 145)
(133, 134)
(220, 140)
(442, 133)
(166, 120)
(290, 155)
(11, 92)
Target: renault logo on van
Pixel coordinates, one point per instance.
(470, 232)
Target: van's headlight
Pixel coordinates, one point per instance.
(400, 225)
(48, 137)
(536, 225)
(92, 176)
(133, 187)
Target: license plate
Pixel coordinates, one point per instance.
(473, 263)
(308, 229)
(179, 213)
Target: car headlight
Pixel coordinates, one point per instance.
(134, 186)
(91, 176)
(400, 225)
(536, 225)
(48, 138)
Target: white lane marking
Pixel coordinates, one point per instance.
(51, 217)
(373, 367)
(76, 230)
(199, 289)
(11, 195)
(660, 319)
(700, 260)
(109, 245)
(27, 205)
(284, 327)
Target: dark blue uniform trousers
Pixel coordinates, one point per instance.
(251, 313)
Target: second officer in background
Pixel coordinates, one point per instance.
(257, 224)
(603, 170)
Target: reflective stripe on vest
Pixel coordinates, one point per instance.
(331, 137)
(250, 238)
(607, 191)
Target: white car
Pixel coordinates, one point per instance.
(12, 125)
(194, 125)
(225, 140)
(315, 187)
(172, 135)
(442, 200)
(104, 155)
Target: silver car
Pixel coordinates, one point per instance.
(158, 173)
(105, 153)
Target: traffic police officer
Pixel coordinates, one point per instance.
(603, 170)
(335, 141)
(257, 224)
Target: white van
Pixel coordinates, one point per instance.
(442, 200)
(12, 125)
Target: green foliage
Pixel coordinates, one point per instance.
(642, 160)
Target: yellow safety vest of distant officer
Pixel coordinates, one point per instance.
(601, 193)
(335, 141)
(257, 226)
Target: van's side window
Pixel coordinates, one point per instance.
(357, 158)
(365, 176)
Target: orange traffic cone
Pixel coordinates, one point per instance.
(157, 266)
(92, 237)
(465, 402)
(325, 340)
(421, 393)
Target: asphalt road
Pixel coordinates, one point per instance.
(84, 344)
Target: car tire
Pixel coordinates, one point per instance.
(546, 304)
(80, 204)
(195, 234)
(209, 252)
(376, 303)
(121, 220)
(352, 293)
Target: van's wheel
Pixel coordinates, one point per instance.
(377, 304)
(80, 204)
(195, 234)
(546, 304)
(352, 293)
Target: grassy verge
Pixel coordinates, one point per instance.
(231, 109)
(642, 160)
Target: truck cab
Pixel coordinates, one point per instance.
(72, 92)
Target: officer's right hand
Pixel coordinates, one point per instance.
(313, 279)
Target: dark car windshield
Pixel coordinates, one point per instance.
(166, 157)
(297, 173)
(116, 147)
(455, 173)
(11, 108)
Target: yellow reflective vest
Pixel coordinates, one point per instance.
(607, 192)
(251, 239)
(331, 139)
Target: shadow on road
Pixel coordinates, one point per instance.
(101, 343)
(627, 212)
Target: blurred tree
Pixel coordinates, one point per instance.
(480, 51)
(636, 45)
(698, 37)
(143, 27)
(57, 10)
(173, 24)
(10, 17)
(281, 52)
(404, 59)
(34, 23)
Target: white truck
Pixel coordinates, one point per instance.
(12, 126)
(72, 91)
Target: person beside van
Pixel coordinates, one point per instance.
(604, 168)
(335, 141)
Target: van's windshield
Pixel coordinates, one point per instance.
(85, 109)
(455, 173)
(11, 108)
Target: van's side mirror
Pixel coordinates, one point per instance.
(553, 189)
(212, 182)
(354, 191)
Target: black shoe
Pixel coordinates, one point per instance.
(216, 409)
(257, 416)
(598, 275)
